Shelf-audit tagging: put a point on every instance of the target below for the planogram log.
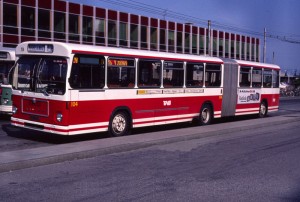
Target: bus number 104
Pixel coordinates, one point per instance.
(74, 104)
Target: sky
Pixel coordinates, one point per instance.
(281, 18)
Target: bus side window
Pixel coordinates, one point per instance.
(120, 73)
(173, 74)
(267, 78)
(149, 73)
(245, 76)
(256, 77)
(87, 72)
(194, 74)
(213, 75)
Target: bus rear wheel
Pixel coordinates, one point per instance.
(206, 115)
(119, 124)
(263, 110)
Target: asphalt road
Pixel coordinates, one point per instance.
(12, 138)
(258, 164)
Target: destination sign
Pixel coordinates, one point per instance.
(120, 62)
(40, 48)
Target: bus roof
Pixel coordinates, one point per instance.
(66, 49)
(7, 53)
(257, 64)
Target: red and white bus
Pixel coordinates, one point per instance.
(72, 89)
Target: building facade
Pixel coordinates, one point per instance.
(56, 20)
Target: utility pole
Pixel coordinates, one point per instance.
(273, 57)
(265, 46)
(209, 37)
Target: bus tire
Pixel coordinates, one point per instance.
(119, 124)
(206, 114)
(263, 109)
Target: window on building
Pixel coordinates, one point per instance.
(44, 24)
(10, 24)
(267, 79)
(144, 37)
(243, 51)
(171, 41)
(123, 34)
(187, 43)
(245, 76)
(215, 46)
(221, 47)
(87, 29)
(194, 74)
(162, 39)
(153, 38)
(73, 28)
(27, 21)
(120, 73)
(87, 72)
(212, 75)
(100, 31)
(201, 45)
(226, 48)
(257, 53)
(179, 42)
(149, 73)
(59, 25)
(173, 74)
(232, 49)
(248, 51)
(112, 33)
(256, 77)
(194, 44)
(253, 52)
(133, 36)
(237, 49)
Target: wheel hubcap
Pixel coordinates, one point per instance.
(119, 124)
(205, 115)
(262, 109)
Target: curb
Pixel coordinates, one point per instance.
(21, 159)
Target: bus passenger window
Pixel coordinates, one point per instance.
(267, 79)
(173, 74)
(87, 72)
(121, 73)
(149, 73)
(275, 78)
(256, 78)
(194, 74)
(245, 76)
(213, 75)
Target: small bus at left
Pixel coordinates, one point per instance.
(7, 60)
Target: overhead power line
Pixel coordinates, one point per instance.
(165, 13)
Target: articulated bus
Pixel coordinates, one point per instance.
(7, 60)
(72, 89)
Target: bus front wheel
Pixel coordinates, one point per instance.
(206, 115)
(119, 124)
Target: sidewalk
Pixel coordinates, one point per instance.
(20, 159)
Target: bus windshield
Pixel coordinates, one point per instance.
(41, 74)
(4, 69)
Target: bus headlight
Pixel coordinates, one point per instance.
(14, 109)
(5, 101)
(59, 117)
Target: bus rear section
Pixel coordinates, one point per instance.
(250, 88)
